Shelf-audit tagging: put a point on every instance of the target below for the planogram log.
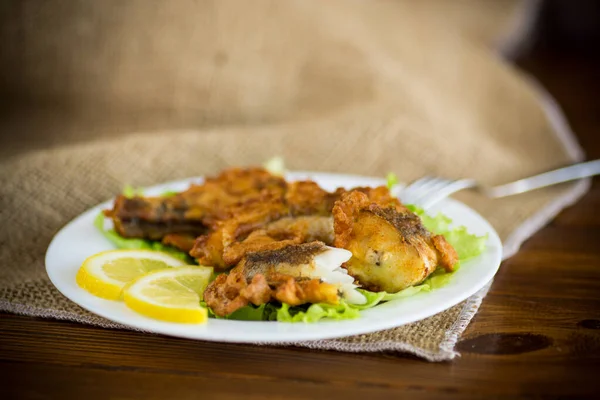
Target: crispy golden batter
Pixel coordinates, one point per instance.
(308, 198)
(231, 237)
(381, 196)
(272, 275)
(244, 219)
(223, 295)
(180, 241)
(281, 233)
(391, 248)
(192, 211)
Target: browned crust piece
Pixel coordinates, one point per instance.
(407, 223)
(179, 241)
(255, 280)
(447, 257)
(230, 238)
(191, 211)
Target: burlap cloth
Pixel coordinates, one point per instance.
(352, 87)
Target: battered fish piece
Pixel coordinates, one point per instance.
(193, 211)
(295, 274)
(381, 196)
(308, 198)
(180, 241)
(391, 249)
(245, 218)
(282, 233)
(230, 238)
(153, 217)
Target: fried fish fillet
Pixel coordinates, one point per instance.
(153, 217)
(229, 238)
(391, 249)
(295, 274)
(281, 233)
(191, 212)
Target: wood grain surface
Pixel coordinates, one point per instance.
(537, 334)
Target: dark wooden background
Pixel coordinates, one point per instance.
(537, 333)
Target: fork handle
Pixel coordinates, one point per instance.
(570, 173)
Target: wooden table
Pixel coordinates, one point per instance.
(537, 333)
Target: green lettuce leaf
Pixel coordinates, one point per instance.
(391, 180)
(467, 245)
(316, 312)
(286, 313)
(264, 312)
(373, 298)
(169, 193)
(439, 278)
(130, 191)
(248, 313)
(275, 166)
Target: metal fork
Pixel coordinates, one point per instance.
(428, 190)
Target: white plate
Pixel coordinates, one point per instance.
(79, 239)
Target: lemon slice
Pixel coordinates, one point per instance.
(105, 274)
(170, 295)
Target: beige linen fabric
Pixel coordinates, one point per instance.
(353, 87)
